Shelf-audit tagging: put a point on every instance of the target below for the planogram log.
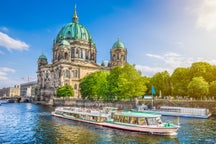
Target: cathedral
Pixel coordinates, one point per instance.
(74, 57)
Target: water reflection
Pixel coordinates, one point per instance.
(28, 123)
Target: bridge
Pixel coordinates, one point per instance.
(17, 99)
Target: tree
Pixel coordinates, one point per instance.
(94, 86)
(204, 70)
(212, 89)
(120, 84)
(198, 87)
(161, 82)
(65, 91)
(126, 83)
(135, 84)
(115, 84)
(179, 81)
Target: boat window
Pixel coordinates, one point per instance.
(116, 118)
(90, 117)
(152, 121)
(121, 118)
(133, 120)
(125, 119)
(112, 115)
(87, 117)
(102, 119)
(141, 121)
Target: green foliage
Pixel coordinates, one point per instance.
(120, 84)
(123, 83)
(36, 90)
(180, 80)
(65, 91)
(161, 82)
(126, 83)
(115, 84)
(212, 89)
(94, 86)
(204, 70)
(134, 83)
(198, 87)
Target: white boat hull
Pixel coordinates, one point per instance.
(158, 130)
(163, 113)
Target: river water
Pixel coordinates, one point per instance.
(29, 123)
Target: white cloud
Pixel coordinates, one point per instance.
(169, 62)
(154, 56)
(149, 71)
(12, 44)
(207, 15)
(1, 52)
(4, 72)
(172, 59)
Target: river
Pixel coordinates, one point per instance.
(30, 123)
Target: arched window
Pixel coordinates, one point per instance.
(47, 75)
(66, 56)
(114, 57)
(75, 73)
(67, 74)
(122, 57)
(59, 57)
(92, 56)
(75, 86)
(72, 52)
(80, 53)
(59, 74)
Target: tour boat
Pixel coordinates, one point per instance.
(179, 111)
(119, 119)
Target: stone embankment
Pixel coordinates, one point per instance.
(211, 105)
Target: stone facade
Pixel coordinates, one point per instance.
(10, 91)
(118, 57)
(74, 57)
(28, 89)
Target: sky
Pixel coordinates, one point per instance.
(159, 34)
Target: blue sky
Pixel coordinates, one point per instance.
(158, 34)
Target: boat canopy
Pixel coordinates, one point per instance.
(137, 114)
(182, 108)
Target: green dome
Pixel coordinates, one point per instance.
(74, 31)
(42, 56)
(118, 44)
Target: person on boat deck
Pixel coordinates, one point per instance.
(159, 122)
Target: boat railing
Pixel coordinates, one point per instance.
(185, 110)
(86, 111)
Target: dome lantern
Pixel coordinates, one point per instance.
(75, 17)
(118, 44)
(42, 56)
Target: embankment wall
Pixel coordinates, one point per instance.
(211, 105)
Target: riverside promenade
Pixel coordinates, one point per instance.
(209, 104)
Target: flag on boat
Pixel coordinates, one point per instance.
(153, 90)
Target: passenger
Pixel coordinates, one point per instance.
(159, 122)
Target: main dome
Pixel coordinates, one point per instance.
(118, 44)
(74, 31)
(42, 56)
